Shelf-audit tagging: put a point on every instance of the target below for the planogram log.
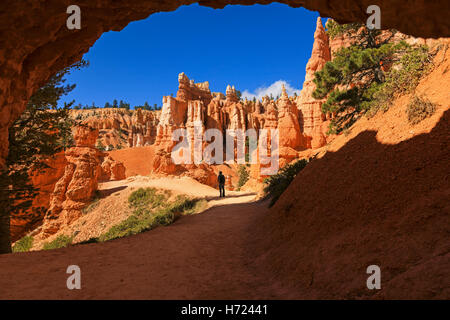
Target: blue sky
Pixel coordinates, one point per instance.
(250, 47)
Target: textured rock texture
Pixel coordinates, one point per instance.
(67, 186)
(196, 109)
(35, 42)
(75, 189)
(45, 180)
(313, 121)
(380, 195)
(120, 128)
(300, 120)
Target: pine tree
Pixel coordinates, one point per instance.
(355, 74)
(115, 104)
(239, 94)
(38, 134)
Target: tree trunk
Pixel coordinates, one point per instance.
(5, 232)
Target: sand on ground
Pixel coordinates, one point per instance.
(112, 207)
(203, 256)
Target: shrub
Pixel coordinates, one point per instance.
(186, 206)
(100, 146)
(150, 211)
(243, 176)
(164, 219)
(148, 197)
(23, 245)
(132, 225)
(356, 82)
(276, 184)
(403, 77)
(61, 241)
(419, 108)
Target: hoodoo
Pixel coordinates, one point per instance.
(30, 58)
(339, 190)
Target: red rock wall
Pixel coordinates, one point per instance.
(301, 123)
(67, 186)
(35, 42)
(120, 128)
(313, 121)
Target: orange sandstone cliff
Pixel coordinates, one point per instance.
(67, 186)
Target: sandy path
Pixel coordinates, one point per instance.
(179, 185)
(113, 208)
(205, 256)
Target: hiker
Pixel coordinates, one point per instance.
(221, 180)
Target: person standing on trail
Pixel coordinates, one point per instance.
(221, 180)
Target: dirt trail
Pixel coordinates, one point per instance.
(112, 207)
(205, 256)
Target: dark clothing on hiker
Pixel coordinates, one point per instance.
(222, 190)
(221, 180)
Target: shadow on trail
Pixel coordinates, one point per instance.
(108, 192)
(209, 198)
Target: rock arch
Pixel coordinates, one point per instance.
(35, 42)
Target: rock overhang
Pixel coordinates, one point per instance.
(35, 42)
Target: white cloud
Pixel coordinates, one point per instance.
(274, 89)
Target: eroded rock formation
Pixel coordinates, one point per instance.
(45, 180)
(299, 120)
(68, 185)
(312, 120)
(36, 43)
(120, 128)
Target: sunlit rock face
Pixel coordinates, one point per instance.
(120, 128)
(45, 180)
(288, 123)
(85, 167)
(35, 42)
(299, 120)
(189, 111)
(67, 186)
(312, 120)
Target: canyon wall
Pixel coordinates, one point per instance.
(312, 120)
(35, 42)
(205, 110)
(67, 186)
(299, 119)
(120, 128)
